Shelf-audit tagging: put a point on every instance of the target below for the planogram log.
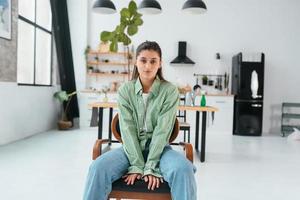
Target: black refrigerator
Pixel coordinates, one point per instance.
(248, 89)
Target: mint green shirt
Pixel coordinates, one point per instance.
(159, 122)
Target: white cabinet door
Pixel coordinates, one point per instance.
(220, 122)
(85, 111)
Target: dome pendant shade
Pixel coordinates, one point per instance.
(151, 7)
(194, 7)
(104, 7)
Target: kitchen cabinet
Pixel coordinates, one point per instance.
(220, 122)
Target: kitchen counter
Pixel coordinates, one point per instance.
(220, 95)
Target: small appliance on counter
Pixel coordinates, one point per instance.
(248, 89)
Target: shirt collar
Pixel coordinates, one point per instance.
(154, 88)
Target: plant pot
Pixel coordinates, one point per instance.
(204, 82)
(64, 125)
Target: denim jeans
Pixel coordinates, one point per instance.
(109, 167)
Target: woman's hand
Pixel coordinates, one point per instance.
(130, 178)
(153, 181)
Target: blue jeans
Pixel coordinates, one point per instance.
(109, 167)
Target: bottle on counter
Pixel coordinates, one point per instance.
(189, 99)
(203, 99)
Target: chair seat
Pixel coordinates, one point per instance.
(139, 186)
(181, 124)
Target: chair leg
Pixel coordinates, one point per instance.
(184, 137)
(189, 136)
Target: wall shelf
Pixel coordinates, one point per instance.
(93, 52)
(106, 74)
(107, 63)
(290, 117)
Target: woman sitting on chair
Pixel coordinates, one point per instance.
(147, 109)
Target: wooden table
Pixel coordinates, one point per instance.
(97, 112)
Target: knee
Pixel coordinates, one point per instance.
(183, 169)
(99, 166)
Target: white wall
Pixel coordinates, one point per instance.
(229, 27)
(26, 110)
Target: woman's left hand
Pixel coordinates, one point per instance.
(153, 181)
(130, 178)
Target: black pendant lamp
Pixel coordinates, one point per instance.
(194, 6)
(151, 7)
(104, 7)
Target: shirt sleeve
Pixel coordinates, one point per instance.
(129, 136)
(162, 132)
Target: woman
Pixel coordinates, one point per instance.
(147, 107)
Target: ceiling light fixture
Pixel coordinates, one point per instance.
(151, 7)
(194, 7)
(104, 7)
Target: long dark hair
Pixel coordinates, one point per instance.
(148, 45)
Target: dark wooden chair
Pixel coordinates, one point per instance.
(183, 124)
(139, 190)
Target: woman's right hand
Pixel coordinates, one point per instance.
(130, 178)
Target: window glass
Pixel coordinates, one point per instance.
(25, 61)
(43, 58)
(27, 9)
(43, 14)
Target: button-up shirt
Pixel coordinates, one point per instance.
(159, 121)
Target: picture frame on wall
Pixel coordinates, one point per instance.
(5, 19)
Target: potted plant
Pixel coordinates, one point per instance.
(105, 90)
(130, 20)
(204, 80)
(62, 96)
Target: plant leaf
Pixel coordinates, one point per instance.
(138, 21)
(105, 36)
(132, 7)
(132, 29)
(61, 96)
(127, 40)
(125, 13)
(121, 37)
(122, 27)
(117, 29)
(72, 93)
(113, 46)
(138, 15)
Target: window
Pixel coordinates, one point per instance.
(34, 43)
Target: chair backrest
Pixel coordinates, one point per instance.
(115, 128)
(181, 114)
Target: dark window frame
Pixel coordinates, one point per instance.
(36, 26)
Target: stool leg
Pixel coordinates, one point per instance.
(184, 138)
(189, 136)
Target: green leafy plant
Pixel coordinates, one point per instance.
(130, 20)
(62, 97)
(86, 52)
(204, 80)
